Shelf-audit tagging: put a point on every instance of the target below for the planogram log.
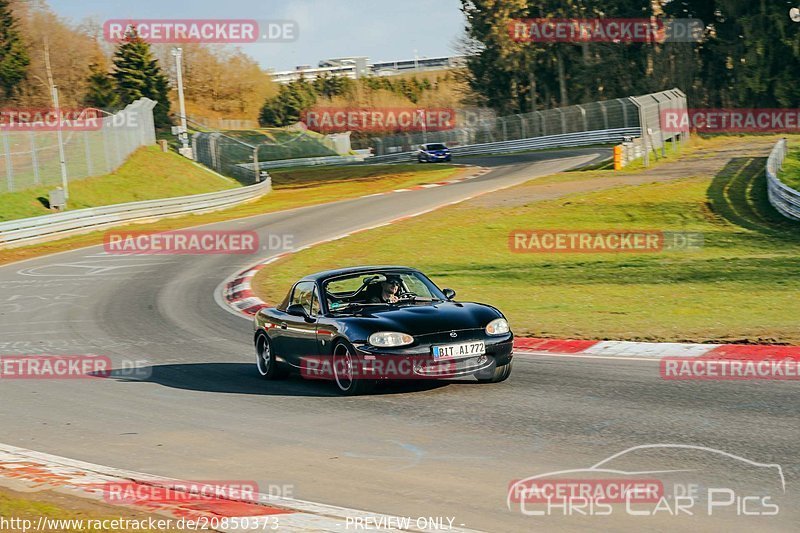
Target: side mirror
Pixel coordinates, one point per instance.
(449, 293)
(296, 310)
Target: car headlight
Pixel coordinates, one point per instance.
(388, 339)
(498, 326)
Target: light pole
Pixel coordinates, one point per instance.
(182, 134)
(61, 156)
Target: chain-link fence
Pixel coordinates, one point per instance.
(226, 155)
(641, 111)
(238, 154)
(31, 158)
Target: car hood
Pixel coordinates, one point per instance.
(422, 319)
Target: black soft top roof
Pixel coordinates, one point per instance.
(326, 274)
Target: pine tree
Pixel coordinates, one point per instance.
(138, 75)
(102, 92)
(13, 54)
(289, 105)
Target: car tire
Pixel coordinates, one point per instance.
(494, 374)
(344, 357)
(266, 364)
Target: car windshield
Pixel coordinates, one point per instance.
(366, 288)
(437, 146)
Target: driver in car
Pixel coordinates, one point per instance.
(389, 290)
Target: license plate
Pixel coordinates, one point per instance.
(463, 349)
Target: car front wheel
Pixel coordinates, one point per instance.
(346, 370)
(494, 374)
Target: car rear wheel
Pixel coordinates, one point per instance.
(495, 374)
(345, 371)
(265, 361)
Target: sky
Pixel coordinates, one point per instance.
(380, 29)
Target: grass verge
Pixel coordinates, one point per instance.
(293, 188)
(790, 174)
(66, 513)
(741, 286)
(148, 174)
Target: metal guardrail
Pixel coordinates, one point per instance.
(28, 230)
(782, 197)
(308, 161)
(583, 138)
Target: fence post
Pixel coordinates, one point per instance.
(523, 131)
(34, 159)
(9, 166)
(563, 120)
(605, 115)
(256, 166)
(583, 116)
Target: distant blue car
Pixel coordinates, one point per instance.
(433, 152)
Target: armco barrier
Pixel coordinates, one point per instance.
(307, 161)
(583, 138)
(47, 227)
(782, 197)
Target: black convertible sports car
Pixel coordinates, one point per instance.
(356, 326)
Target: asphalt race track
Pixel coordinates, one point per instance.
(445, 449)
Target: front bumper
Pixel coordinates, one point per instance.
(417, 362)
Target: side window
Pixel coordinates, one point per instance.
(315, 309)
(303, 294)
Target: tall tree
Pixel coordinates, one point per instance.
(13, 54)
(101, 92)
(288, 106)
(138, 75)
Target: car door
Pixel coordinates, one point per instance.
(300, 331)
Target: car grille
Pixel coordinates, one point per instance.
(444, 337)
